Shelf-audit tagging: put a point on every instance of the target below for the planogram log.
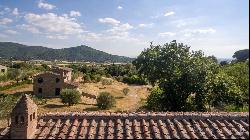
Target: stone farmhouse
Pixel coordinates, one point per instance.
(50, 84)
(26, 123)
(3, 69)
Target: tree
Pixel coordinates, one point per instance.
(15, 74)
(213, 58)
(240, 73)
(223, 63)
(179, 72)
(70, 96)
(241, 55)
(105, 100)
(222, 90)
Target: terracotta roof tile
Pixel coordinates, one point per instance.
(151, 125)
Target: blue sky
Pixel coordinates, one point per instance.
(125, 27)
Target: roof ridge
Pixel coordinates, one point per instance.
(150, 115)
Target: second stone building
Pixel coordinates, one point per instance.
(50, 84)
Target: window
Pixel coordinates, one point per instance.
(34, 115)
(40, 80)
(30, 117)
(16, 119)
(2, 70)
(57, 91)
(57, 80)
(22, 119)
(40, 90)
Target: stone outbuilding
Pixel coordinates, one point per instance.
(50, 84)
(3, 69)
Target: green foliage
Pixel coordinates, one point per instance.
(7, 103)
(213, 58)
(179, 72)
(22, 52)
(223, 63)
(154, 99)
(105, 100)
(241, 55)
(15, 85)
(222, 90)
(240, 74)
(134, 79)
(70, 96)
(125, 91)
(92, 78)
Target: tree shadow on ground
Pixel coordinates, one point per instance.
(92, 109)
(54, 106)
(119, 97)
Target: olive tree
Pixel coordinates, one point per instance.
(70, 96)
(180, 72)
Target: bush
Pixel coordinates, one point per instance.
(134, 79)
(125, 91)
(154, 100)
(70, 96)
(106, 82)
(105, 100)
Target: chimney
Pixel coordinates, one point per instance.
(23, 119)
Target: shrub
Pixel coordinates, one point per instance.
(125, 91)
(70, 96)
(106, 82)
(134, 79)
(105, 100)
(154, 99)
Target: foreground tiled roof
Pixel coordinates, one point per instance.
(153, 125)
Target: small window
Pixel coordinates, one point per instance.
(34, 115)
(16, 119)
(40, 80)
(40, 90)
(57, 80)
(30, 117)
(22, 119)
(2, 70)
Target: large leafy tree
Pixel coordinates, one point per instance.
(241, 55)
(180, 72)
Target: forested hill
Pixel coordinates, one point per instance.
(79, 53)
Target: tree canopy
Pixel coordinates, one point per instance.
(241, 55)
(183, 75)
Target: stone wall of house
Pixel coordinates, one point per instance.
(3, 69)
(48, 85)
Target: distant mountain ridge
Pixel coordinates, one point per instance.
(80, 53)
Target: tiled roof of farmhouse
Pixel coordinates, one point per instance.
(87, 125)
(47, 72)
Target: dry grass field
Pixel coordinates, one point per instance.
(131, 102)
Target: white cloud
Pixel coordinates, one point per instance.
(29, 28)
(46, 6)
(5, 21)
(75, 13)
(120, 30)
(109, 20)
(167, 34)
(192, 32)
(15, 11)
(145, 25)
(53, 23)
(119, 7)
(60, 37)
(169, 13)
(11, 32)
(7, 9)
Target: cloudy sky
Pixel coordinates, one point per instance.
(125, 27)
